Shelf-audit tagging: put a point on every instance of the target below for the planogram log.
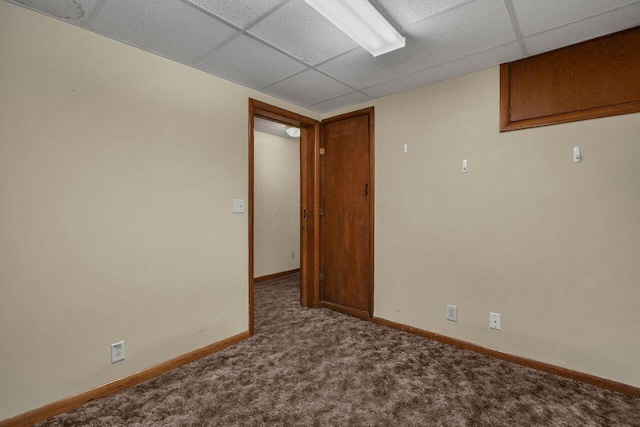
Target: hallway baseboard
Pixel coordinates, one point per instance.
(274, 275)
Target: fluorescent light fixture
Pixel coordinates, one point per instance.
(293, 132)
(362, 22)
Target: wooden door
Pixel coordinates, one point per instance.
(346, 213)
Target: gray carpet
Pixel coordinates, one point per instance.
(320, 368)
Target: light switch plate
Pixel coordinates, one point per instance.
(238, 205)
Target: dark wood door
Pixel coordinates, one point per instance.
(346, 235)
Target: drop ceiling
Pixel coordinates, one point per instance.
(286, 49)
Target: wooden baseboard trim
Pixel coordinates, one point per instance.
(55, 408)
(519, 360)
(275, 275)
(345, 310)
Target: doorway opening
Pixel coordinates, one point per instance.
(276, 228)
(308, 200)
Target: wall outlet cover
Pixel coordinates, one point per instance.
(117, 351)
(495, 320)
(452, 313)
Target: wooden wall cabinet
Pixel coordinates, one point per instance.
(596, 78)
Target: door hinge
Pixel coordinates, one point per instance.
(321, 276)
(322, 151)
(322, 211)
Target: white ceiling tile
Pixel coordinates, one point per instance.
(339, 102)
(168, 27)
(535, 16)
(302, 32)
(238, 12)
(469, 64)
(250, 63)
(406, 12)
(606, 23)
(465, 30)
(306, 88)
(74, 11)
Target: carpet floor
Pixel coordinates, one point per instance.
(307, 367)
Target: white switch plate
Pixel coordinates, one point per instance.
(452, 313)
(494, 320)
(238, 205)
(405, 148)
(464, 166)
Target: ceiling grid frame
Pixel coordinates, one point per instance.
(570, 22)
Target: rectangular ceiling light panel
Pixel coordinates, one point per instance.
(362, 22)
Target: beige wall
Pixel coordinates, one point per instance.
(551, 245)
(276, 204)
(117, 174)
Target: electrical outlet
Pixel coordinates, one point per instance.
(117, 352)
(452, 313)
(494, 321)
(293, 254)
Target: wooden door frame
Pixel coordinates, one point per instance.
(309, 200)
(370, 113)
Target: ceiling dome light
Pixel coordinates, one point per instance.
(293, 132)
